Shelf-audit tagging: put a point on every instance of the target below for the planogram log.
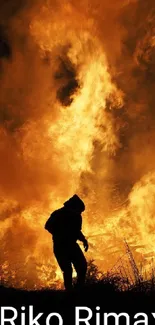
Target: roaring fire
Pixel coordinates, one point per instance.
(76, 116)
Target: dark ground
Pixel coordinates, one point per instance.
(104, 296)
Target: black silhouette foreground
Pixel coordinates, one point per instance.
(65, 226)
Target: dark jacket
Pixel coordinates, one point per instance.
(65, 226)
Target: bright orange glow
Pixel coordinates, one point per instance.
(75, 121)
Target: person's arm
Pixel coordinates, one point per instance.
(81, 236)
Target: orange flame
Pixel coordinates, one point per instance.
(75, 121)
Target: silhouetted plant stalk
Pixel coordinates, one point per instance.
(117, 281)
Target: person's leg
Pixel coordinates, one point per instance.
(67, 275)
(65, 265)
(80, 264)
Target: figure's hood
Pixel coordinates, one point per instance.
(75, 203)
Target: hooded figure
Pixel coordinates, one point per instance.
(65, 226)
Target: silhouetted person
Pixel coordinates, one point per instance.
(65, 226)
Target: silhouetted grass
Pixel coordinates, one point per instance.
(110, 293)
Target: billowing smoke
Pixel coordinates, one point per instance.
(76, 115)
